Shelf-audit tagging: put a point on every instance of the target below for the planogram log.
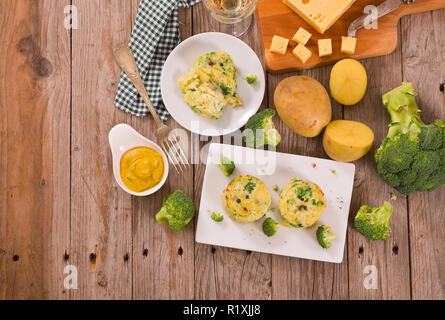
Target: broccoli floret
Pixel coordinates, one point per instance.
(412, 156)
(251, 79)
(217, 216)
(325, 236)
(260, 130)
(178, 209)
(270, 227)
(227, 166)
(374, 223)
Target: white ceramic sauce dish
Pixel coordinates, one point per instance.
(122, 138)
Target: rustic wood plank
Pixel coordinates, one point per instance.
(136, 257)
(101, 212)
(34, 149)
(225, 273)
(298, 278)
(391, 257)
(423, 64)
(163, 259)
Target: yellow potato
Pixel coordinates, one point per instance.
(346, 140)
(348, 82)
(303, 105)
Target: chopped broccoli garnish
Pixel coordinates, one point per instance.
(260, 130)
(270, 227)
(225, 89)
(412, 156)
(304, 193)
(276, 188)
(227, 166)
(251, 79)
(250, 186)
(374, 223)
(325, 236)
(393, 196)
(317, 203)
(217, 216)
(178, 209)
(238, 261)
(298, 226)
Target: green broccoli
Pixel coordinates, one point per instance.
(178, 209)
(325, 236)
(412, 156)
(260, 130)
(227, 166)
(270, 227)
(251, 79)
(374, 223)
(217, 216)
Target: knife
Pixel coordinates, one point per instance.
(382, 9)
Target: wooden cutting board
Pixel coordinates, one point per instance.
(275, 18)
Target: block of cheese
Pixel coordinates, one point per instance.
(302, 53)
(320, 14)
(302, 36)
(279, 45)
(348, 44)
(324, 47)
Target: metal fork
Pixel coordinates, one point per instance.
(167, 138)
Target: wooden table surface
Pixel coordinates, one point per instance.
(60, 205)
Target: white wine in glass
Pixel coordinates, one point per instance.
(235, 13)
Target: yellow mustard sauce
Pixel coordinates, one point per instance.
(142, 168)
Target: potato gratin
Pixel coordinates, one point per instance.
(301, 203)
(246, 199)
(210, 85)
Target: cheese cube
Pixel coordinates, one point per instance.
(348, 44)
(324, 47)
(320, 14)
(302, 36)
(279, 45)
(302, 53)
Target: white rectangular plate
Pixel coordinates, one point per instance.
(336, 179)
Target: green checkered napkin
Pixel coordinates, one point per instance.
(155, 34)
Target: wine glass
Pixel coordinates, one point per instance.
(236, 15)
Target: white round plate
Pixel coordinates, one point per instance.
(181, 60)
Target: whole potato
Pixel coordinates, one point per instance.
(303, 105)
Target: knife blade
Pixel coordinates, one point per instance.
(382, 9)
